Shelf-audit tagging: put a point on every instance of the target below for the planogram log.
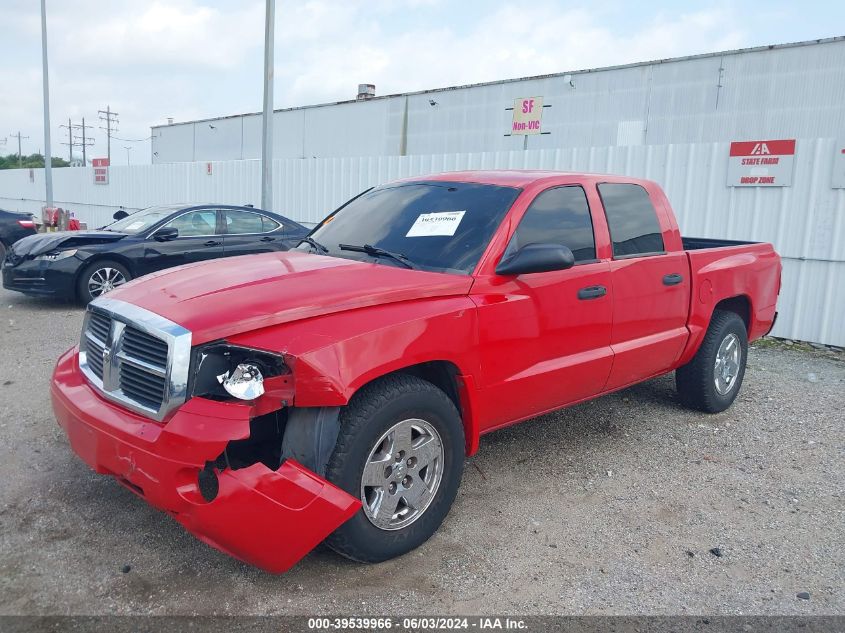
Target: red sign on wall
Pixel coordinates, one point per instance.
(761, 163)
(101, 170)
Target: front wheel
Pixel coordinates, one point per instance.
(401, 452)
(101, 277)
(711, 380)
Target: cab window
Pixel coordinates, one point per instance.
(632, 220)
(558, 216)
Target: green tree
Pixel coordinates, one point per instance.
(10, 161)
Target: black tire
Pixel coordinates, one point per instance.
(83, 290)
(696, 381)
(371, 413)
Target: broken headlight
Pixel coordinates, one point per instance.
(224, 371)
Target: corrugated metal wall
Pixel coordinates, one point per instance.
(793, 91)
(806, 221)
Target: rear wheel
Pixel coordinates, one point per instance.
(401, 452)
(100, 278)
(711, 380)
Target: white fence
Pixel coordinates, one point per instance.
(806, 222)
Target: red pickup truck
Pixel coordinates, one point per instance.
(330, 393)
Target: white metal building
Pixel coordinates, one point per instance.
(785, 91)
(676, 121)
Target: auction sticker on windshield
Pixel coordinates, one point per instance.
(440, 223)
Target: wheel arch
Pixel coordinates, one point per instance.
(446, 376)
(739, 305)
(98, 257)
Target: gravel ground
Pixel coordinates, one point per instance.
(611, 507)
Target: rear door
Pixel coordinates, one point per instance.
(199, 239)
(651, 287)
(545, 337)
(247, 232)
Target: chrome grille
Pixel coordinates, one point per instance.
(141, 386)
(135, 357)
(145, 347)
(99, 325)
(95, 357)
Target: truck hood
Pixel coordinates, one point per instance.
(229, 296)
(34, 245)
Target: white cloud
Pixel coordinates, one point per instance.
(202, 58)
(510, 42)
(174, 34)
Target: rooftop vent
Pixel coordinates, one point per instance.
(366, 91)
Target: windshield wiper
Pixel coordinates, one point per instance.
(309, 240)
(375, 251)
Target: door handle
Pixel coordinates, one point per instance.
(212, 243)
(268, 239)
(592, 292)
(672, 280)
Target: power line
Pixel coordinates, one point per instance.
(111, 121)
(131, 140)
(83, 141)
(19, 137)
(69, 127)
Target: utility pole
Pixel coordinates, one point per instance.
(69, 127)
(48, 158)
(110, 119)
(267, 118)
(127, 148)
(85, 142)
(19, 137)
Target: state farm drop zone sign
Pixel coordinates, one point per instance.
(761, 163)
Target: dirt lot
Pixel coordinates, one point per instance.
(611, 507)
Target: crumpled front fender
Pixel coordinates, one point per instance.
(268, 518)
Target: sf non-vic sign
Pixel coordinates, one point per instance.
(761, 163)
(527, 115)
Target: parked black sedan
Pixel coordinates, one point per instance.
(14, 226)
(85, 264)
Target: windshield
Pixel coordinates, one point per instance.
(442, 226)
(140, 221)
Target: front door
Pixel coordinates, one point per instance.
(198, 240)
(545, 337)
(651, 288)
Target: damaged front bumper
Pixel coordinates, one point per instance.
(268, 518)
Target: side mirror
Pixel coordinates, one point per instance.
(537, 258)
(166, 234)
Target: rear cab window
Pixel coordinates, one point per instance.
(560, 215)
(632, 220)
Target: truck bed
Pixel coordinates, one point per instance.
(698, 243)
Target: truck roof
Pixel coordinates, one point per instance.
(522, 177)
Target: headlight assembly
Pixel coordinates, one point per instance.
(54, 256)
(223, 371)
(245, 382)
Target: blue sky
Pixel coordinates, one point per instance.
(191, 59)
